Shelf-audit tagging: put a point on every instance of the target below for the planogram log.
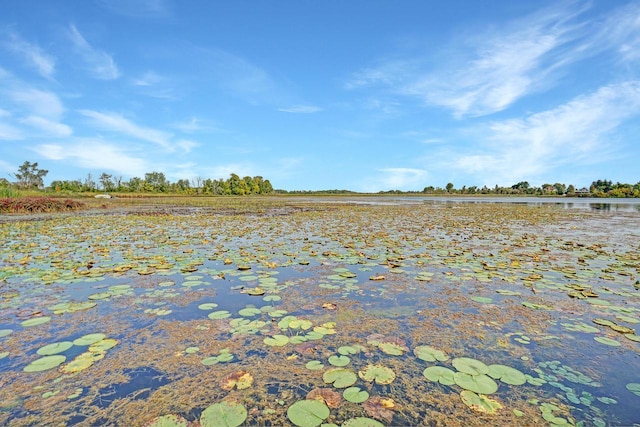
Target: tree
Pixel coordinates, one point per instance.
(106, 182)
(29, 176)
(156, 180)
(449, 187)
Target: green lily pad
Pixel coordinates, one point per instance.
(607, 341)
(171, 420)
(55, 348)
(277, 340)
(80, 363)
(634, 388)
(5, 332)
(35, 321)
(483, 300)
(45, 363)
(391, 348)
(314, 365)
(481, 384)
(88, 339)
(100, 295)
(207, 306)
(440, 374)
(430, 354)
(223, 414)
(470, 366)
(362, 422)
(103, 345)
(346, 350)
(220, 314)
(480, 403)
(355, 395)
(249, 311)
(340, 377)
(507, 374)
(308, 413)
(339, 360)
(272, 298)
(378, 373)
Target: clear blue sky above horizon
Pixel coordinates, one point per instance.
(365, 95)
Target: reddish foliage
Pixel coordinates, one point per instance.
(37, 205)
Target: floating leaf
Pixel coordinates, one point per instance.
(45, 363)
(362, 422)
(308, 413)
(88, 339)
(483, 300)
(207, 306)
(347, 350)
(5, 332)
(429, 354)
(249, 311)
(378, 373)
(339, 360)
(256, 291)
(314, 365)
(35, 321)
(340, 377)
(355, 395)
(223, 414)
(392, 348)
(277, 340)
(239, 380)
(331, 398)
(379, 407)
(607, 341)
(470, 366)
(439, 374)
(103, 345)
(220, 314)
(481, 384)
(480, 403)
(507, 374)
(634, 388)
(55, 348)
(171, 420)
(80, 363)
(100, 295)
(272, 298)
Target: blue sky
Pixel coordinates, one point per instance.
(365, 95)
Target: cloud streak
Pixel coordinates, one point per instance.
(32, 54)
(482, 75)
(572, 133)
(114, 122)
(101, 65)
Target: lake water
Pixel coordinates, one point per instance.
(528, 307)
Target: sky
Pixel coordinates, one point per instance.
(365, 95)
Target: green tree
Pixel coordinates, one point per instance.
(106, 182)
(30, 176)
(449, 187)
(156, 181)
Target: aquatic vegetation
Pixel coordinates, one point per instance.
(381, 314)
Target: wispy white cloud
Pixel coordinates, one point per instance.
(101, 64)
(51, 128)
(32, 54)
(487, 73)
(37, 102)
(573, 133)
(139, 8)
(147, 79)
(114, 122)
(302, 109)
(95, 154)
(192, 125)
(395, 179)
(186, 145)
(10, 133)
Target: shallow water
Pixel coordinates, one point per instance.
(502, 283)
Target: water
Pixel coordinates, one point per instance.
(496, 281)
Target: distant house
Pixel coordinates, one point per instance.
(582, 191)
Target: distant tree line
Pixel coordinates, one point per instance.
(30, 177)
(599, 188)
(156, 182)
